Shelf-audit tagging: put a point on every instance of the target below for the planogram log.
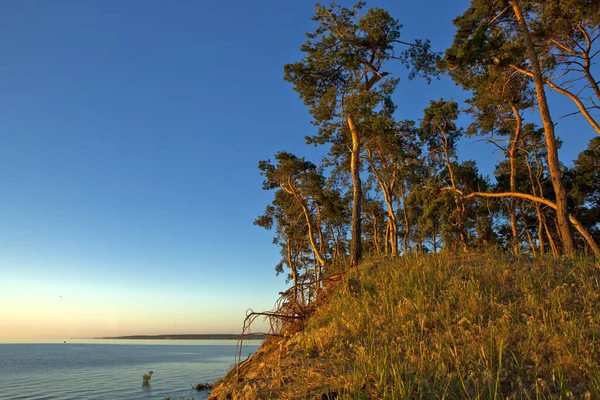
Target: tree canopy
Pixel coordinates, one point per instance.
(397, 186)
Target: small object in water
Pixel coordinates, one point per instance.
(202, 386)
(146, 378)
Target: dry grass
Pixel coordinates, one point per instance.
(472, 327)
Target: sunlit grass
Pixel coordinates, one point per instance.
(468, 327)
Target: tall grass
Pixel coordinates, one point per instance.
(447, 327)
(472, 327)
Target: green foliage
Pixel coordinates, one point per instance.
(585, 191)
(343, 63)
(489, 56)
(417, 193)
(438, 128)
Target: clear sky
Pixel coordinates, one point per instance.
(130, 132)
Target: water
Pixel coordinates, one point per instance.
(113, 369)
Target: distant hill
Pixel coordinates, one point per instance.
(193, 336)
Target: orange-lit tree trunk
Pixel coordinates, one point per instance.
(580, 228)
(553, 163)
(386, 190)
(513, 177)
(309, 224)
(356, 240)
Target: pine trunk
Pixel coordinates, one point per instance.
(562, 213)
(406, 223)
(393, 223)
(576, 224)
(513, 180)
(356, 241)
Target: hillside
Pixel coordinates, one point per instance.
(438, 327)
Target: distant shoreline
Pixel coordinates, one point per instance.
(204, 336)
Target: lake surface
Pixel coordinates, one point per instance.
(113, 369)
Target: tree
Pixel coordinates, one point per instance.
(300, 179)
(374, 213)
(438, 129)
(526, 172)
(477, 217)
(343, 81)
(390, 146)
(284, 215)
(585, 176)
(497, 35)
(499, 97)
(565, 34)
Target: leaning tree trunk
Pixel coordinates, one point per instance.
(553, 165)
(580, 228)
(550, 239)
(356, 241)
(311, 235)
(389, 203)
(292, 269)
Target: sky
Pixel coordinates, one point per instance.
(130, 133)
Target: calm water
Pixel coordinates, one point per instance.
(113, 369)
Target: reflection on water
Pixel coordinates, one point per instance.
(113, 369)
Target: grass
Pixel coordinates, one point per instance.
(439, 326)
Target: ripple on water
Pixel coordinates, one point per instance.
(90, 371)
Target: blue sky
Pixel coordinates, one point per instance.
(130, 133)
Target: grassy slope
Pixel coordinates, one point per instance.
(440, 327)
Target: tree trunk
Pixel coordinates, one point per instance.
(538, 209)
(551, 240)
(386, 242)
(393, 223)
(322, 249)
(587, 64)
(335, 243)
(553, 164)
(540, 228)
(580, 228)
(513, 179)
(406, 223)
(529, 238)
(317, 267)
(311, 236)
(376, 234)
(457, 199)
(293, 270)
(389, 203)
(356, 241)
(513, 224)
